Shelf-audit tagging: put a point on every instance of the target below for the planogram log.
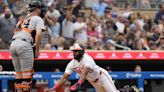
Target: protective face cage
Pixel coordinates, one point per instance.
(38, 4)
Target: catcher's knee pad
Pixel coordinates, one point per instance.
(27, 74)
(18, 75)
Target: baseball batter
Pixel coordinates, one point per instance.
(85, 66)
(28, 32)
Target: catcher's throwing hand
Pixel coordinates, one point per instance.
(75, 86)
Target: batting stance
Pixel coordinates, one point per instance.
(85, 66)
(27, 33)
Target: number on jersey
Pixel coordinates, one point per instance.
(26, 23)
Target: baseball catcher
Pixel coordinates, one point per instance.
(27, 36)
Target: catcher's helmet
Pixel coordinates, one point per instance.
(34, 4)
(37, 4)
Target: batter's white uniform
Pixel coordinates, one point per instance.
(97, 76)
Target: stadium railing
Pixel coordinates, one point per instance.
(50, 76)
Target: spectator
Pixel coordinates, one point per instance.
(47, 46)
(145, 4)
(68, 43)
(130, 39)
(58, 43)
(92, 32)
(107, 14)
(132, 18)
(2, 44)
(1, 68)
(67, 24)
(7, 26)
(60, 4)
(137, 68)
(53, 44)
(110, 2)
(52, 10)
(63, 12)
(115, 12)
(127, 26)
(78, 4)
(18, 9)
(156, 33)
(120, 39)
(52, 20)
(45, 38)
(161, 26)
(140, 19)
(153, 46)
(1, 6)
(128, 11)
(147, 29)
(132, 83)
(120, 24)
(110, 46)
(91, 44)
(99, 45)
(159, 14)
(109, 69)
(105, 37)
(99, 8)
(161, 43)
(56, 70)
(109, 27)
(80, 29)
(149, 21)
(105, 24)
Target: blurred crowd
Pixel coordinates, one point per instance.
(104, 26)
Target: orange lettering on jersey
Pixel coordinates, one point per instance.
(77, 69)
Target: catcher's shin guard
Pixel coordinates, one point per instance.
(23, 87)
(18, 82)
(27, 80)
(26, 87)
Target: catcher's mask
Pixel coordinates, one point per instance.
(37, 4)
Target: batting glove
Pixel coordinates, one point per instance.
(77, 85)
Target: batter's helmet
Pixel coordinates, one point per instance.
(77, 47)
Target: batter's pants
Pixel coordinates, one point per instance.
(104, 83)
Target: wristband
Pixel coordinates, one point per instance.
(56, 86)
(80, 81)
